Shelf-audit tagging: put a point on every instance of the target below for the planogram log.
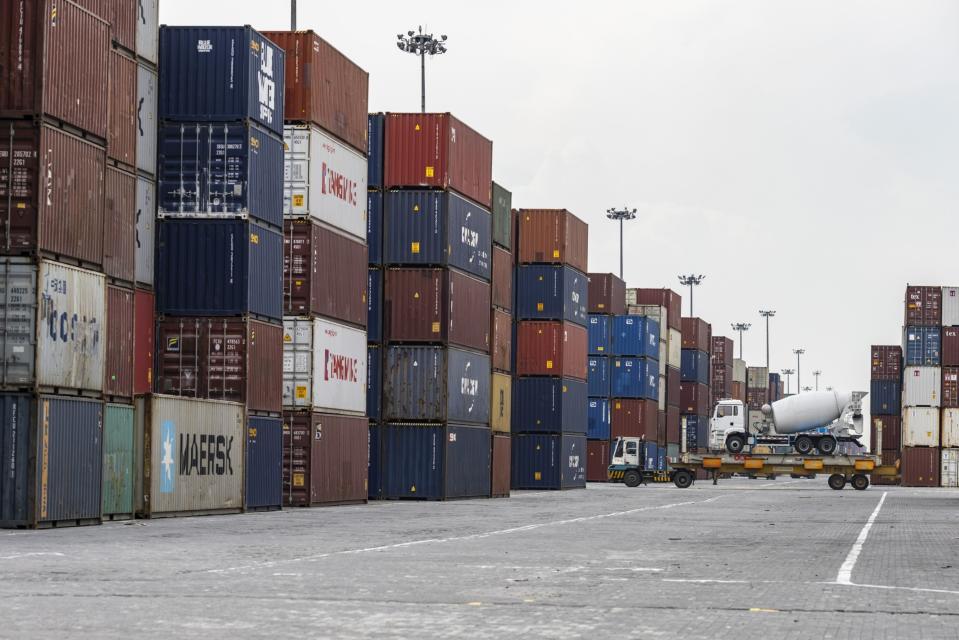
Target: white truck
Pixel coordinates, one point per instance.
(816, 420)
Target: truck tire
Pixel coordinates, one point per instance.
(682, 478)
(632, 478)
(827, 445)
(837, 481)
(803, 445)
(860, 482)
(735, 444)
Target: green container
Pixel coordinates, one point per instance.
(118, 460)
(502, 204)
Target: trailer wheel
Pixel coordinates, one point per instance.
(827, 445)
(735, 444)
(860, 482)
(682, 478)
(632, 478)
(837, 481)
(803, 445)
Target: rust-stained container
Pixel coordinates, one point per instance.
(324, 273)
(501, 399)
(950, 387)
(324, 86)
(888, 458)
(607, 294)
(721, 351)
(438, 151)
(551, 348)
(673, 380)
(500, 466)
(891, 433)
(597, 460)
(634, 418)
(950, 346)
(122, 16)
(697, 334)
(920, 466)
(144, 325)
(325, 458)
(122, 132)
(739, 391)
(55, 60)
(118, 378)
(437, 305)
(231, 359)
(502, 284)
(501, 341)
(886, 361)
(662, 297)
(120, 225)
(673, 425)
(51, 193)
(923, 307)
(553, 236)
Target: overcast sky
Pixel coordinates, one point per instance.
(803, 155)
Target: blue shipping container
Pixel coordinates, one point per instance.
(597, 376)
(264, 463)
(374, 483)
(219, 268)
(694, 366)
(597, 419)
(697, 431)
(549, 405)
(885, 397)
(437, 228)
(544, 461)
(374, 227)
(634, 378)
(220, 170)
(551, 292)
(661, 458)
(374, 175)
(374, 381)
(434, 462)
(220, 74)
(427, 384)
(374, 305)
(635, 336)
(598, 328)
(922, 346)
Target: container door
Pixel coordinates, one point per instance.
(117, 460)
(264, 463)
(296, 171)
(18, 317)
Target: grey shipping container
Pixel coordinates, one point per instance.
(146, 112)
(51, 450)
(502, 215)
(146, 231)
(147, 33)
(436, 384)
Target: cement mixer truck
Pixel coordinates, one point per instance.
(813, 421)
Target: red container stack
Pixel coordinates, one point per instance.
(721, 357)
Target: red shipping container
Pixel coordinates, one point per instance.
(55, 60)
(118, 379)
(597, 460)
(222, 359)
(325, 459)
(122, 131)
(502, 283)
(501, 350)
(673, 379)
(437, 306)
(551, 348)
(437, 150)
(920, 466)
(891, 433)
(122, 16)
(120, 225)
(52, 200)
(950, 387)
(324, 86)
(634, 418)
(722, 351)
(324, 273)
(607, 294)
(739, 391)
(950, 346)
(697, 334)
(694, 398)
(756, 398)
(923, 306)
(673, 425)
(661, 426)
(553, 236)
(887, 361)
(500, 466)
(143, 335)
(664, 298)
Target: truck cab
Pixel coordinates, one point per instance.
(727, 426)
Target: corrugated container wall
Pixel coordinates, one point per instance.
(144, 253)
(502, 279)
(950, 346)
(501, 341)
(551, 349)
(550, 405)
(552, 236)
(325, 458)
(264, 463)
(923, 306)
(667, 298)
(147, 30)
(697, 334)
(547, 292)
(146, 118)
(501, 405)
(922, 346)
(324, 365)
(376, 125)
(920, 427)
(607, 294)
(122, 16)
(118, 465)
(949, 427)
(920, 466)
(886, 362)
(119, 349)
(950, 306)
(502, 216)
(542, 461)
(120, 232)
(500, 462)
(922, 387)
(144, 327)
(427, 384)
(122, 130)
(374, 226)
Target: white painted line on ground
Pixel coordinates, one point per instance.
(845, 571)
(27, 555)
(889, 587)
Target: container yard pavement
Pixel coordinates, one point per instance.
(736, 560)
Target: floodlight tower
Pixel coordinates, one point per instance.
(767, 314)
(817, 373)
(787, 373)
(622, 215)
(741, 327)
(798, 353)
(421, 44)
(692, 280)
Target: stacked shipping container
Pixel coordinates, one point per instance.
(501, 342)
(949, 418)
(550, 388)
(921, 386)
(696, 398)
(607, 301)
(885, 405)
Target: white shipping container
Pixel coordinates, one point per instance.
(297, 363)
(922, 387)
(191, 455)
(757, 378)
(145, 230)
(920, 427)
(950, 306)
(324, 366)
(146, 151)
(652, 311)
(662, 392)
(949, 427)
(663, 356)
(324, 179)
(739, 370)
(148, 21)
(949, 474)
(675, 348)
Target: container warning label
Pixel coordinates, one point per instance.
(301, 392)
(298, 480)
(298, 200)
(429, 172)
(436, 327)
(549, 364)
(539, 306)
(537, 475)
(414, 247)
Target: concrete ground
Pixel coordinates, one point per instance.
(747, 558)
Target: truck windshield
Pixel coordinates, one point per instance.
(631, 448)
(619, 450)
